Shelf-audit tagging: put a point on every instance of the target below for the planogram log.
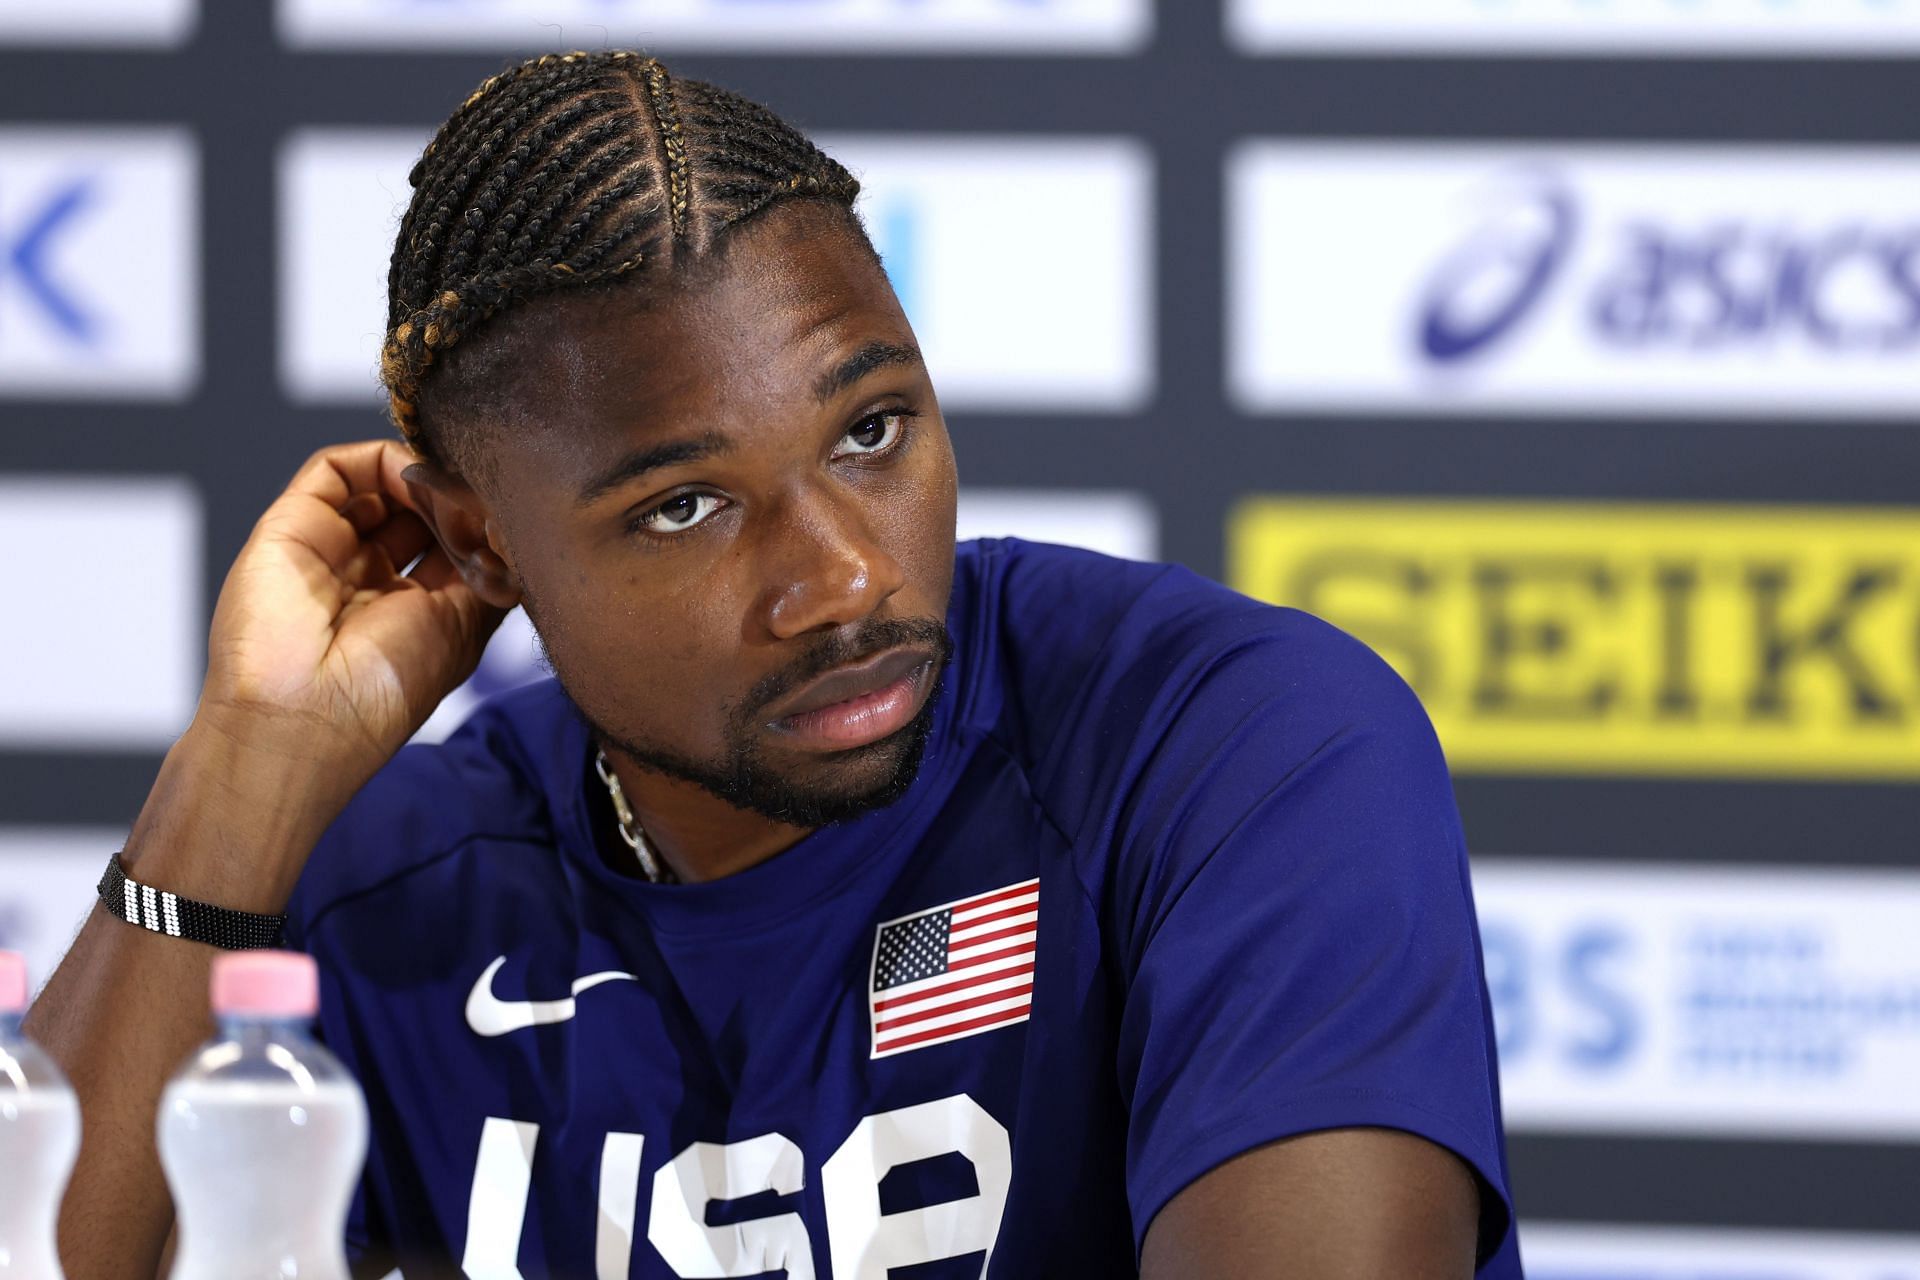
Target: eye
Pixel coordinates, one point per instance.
(677, 514)
(875, 433)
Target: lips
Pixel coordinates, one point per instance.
(855, 705)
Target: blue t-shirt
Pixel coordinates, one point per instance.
(1181, 874)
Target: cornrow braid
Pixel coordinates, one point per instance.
(568, 171)
(673, 145)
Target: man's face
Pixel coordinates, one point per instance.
(734, 529)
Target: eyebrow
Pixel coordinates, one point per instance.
(875, 355)
(671, 453)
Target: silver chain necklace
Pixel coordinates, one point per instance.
(656, 871)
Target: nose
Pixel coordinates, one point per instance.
(826, 569)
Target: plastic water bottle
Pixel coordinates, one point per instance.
(39, 1137)
(262, 1132)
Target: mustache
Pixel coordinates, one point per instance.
(840, 648)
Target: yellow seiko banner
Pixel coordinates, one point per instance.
(1620, 639)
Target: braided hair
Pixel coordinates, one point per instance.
(569, 171)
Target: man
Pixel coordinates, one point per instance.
(847, 905)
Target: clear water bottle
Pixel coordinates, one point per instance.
(262, 1132)
(39, 1137)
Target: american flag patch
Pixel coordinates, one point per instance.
(954, 971)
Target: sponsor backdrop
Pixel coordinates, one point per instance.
(1564, 350)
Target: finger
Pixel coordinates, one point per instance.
(365, 512)
(337, 486)
(310, 523)
(435, 571)
(369, 569)
(404, 536)
(337, 472)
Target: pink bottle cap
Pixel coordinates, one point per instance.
(13, 982)
(265, 984)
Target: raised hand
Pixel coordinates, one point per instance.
(319, 637)
(323, 659)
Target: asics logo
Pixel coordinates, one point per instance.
(489, 1015)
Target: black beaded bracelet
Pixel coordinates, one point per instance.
(178, 917)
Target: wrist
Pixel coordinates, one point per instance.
(232, 818)
(177, 916)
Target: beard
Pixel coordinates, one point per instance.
(841, 786)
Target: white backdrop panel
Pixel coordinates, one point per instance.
(1645, 27)
(1640, 997)
(1562, 1251)
(97, 22)
(108, 651)
(776, 26)
(47, 879)
(1575, 279)
(966, 225)
(342, 193)
(99, 237)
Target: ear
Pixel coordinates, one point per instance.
(465, 529)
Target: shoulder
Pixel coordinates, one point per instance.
(1114, 673)
(489, 779)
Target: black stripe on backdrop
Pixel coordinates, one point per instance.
(1590, 819)
(1188, 97)
(1669, 1182)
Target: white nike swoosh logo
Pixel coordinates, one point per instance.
(489, 1015)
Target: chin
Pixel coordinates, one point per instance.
(845, 785)
(807, 790)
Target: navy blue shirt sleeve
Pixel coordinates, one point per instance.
(1297, 931)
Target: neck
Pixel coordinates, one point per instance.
(695, 833)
